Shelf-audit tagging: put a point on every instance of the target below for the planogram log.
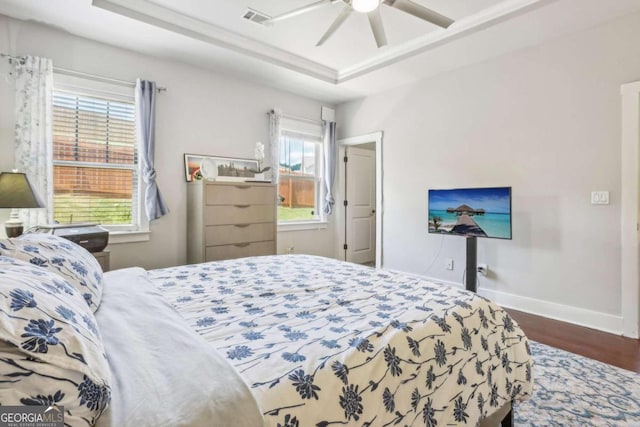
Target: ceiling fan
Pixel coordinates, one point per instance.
(372, 9)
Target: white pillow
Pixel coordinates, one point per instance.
(52, 351)
(61, 256)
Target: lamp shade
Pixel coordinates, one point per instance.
(16, 192)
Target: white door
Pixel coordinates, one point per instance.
(360, 230)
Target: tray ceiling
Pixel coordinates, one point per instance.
(213, 34)
(291, 43)
(352, 44)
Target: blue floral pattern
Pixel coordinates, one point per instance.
(323, 342)
(40, 335)
(47, 355)
(62, 257)
(572, 390)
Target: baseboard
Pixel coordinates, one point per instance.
(565, 313)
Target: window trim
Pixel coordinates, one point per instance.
(136, 232)
(303, 225)
(119, 237)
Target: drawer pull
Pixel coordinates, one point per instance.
(241, 245)
(242, 187)
(242, 225)
(242, 206)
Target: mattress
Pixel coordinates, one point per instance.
(323, 342)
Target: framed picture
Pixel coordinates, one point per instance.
(217, 168)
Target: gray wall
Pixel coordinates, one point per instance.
(202, 112)
(544, 120)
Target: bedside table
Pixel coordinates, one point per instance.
(103, 259)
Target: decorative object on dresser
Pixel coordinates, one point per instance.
(218, 168)
(259, 155)
(17, 192)
(230, 220)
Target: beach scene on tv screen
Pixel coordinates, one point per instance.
(480, 212)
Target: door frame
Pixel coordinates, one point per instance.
(375, 137)
(630, 208)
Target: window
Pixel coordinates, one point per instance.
(300, 187)
(95, 159)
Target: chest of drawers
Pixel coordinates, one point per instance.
(230, 220)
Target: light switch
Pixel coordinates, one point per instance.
(599, 197)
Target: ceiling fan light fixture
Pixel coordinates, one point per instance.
(365, 6)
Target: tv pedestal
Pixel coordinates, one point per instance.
(472, 263)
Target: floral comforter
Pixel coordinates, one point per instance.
(321, 342)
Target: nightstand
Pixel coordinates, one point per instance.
(103, 259)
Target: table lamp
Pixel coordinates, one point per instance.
(16, 192)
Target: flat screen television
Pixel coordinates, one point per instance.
(478, 212)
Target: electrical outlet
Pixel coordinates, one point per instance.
(483, 269)
(290, 249)
(448, 264)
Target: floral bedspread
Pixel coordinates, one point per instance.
(322, 342)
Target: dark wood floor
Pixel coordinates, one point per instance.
(612, 349)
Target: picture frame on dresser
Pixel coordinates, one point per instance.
(218, 168)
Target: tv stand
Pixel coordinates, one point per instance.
(472, 263)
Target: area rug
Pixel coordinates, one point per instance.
(572, 390)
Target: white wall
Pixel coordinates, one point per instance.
(202, 112)
(544, 120)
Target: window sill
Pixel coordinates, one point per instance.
(118, 237)
(302, 225)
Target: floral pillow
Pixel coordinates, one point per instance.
(61, 256)
(51, 351)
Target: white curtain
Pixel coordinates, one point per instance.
(330, 159)
(154, 204)
(34, 132)
(274, 144)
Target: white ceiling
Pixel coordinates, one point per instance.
(352, 43)
(213, 34)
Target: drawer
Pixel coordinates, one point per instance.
(214, 253)
(238, 214)
(239, 233)
(240, 194)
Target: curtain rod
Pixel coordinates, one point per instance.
(302, 119)
(93, 77)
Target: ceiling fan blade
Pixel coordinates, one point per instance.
(375, 21)
(299, 11)
(336, 24)
(420, 12)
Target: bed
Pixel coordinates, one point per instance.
(285, 341)
(320, 342)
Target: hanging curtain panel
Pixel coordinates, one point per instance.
(33, 131)
(330, 158)
(155, 206)
(275, 116)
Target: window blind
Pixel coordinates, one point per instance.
(94, 159)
